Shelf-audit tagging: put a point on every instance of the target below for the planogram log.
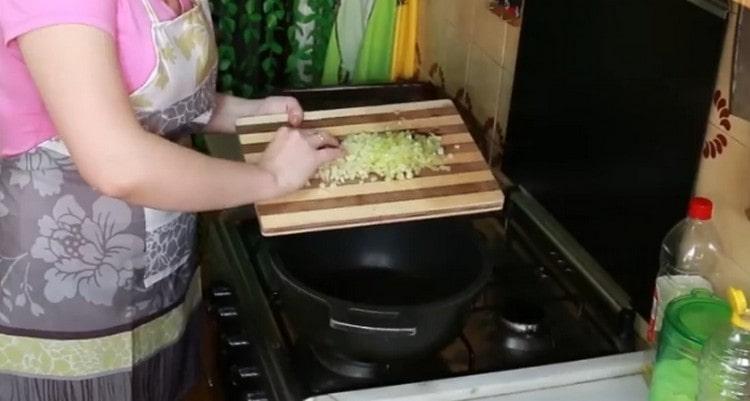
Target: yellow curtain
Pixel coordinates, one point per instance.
(405, 40)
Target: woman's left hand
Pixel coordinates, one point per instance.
(229, 108)
(281, 105)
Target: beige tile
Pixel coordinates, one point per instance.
(464, 14)
(510, 52)
(735, 7)
(449, 10)
(441, 10)
(432, 36)
(422, 37)
(454, 55)
(503, 107)
(720, 107)
(730, 273)
(483, 84)
(428, 39)
(724, 179)
(738, 129)
(489, 31)
(725, 64)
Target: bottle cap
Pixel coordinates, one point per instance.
(740, 313)
(700, 208)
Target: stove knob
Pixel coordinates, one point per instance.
(253, 396)
(236, 342)
(245, 375)
(220, 292)
(227, 313)
(235, 350)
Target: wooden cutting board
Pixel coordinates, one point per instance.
(468, 188)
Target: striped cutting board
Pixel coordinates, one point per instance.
(469, 187)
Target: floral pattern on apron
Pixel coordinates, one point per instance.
(97, 296)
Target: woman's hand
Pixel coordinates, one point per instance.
(295, 155)
(282, 105)
(229, 108)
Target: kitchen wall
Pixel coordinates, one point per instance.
(468, 48)
(724, 174)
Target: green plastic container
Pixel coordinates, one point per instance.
(688, 322)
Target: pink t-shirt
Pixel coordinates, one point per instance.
(24, 121)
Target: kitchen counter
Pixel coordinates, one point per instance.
(627, 388)
(615, 378)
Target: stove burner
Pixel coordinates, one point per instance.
(327, 371)
(346, 367)
(523, 327)
(521, 317)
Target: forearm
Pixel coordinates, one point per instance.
(166, 176)
(227, 110)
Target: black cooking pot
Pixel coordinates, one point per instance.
(382, 293)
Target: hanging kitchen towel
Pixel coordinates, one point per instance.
(405, 42)
(346, 40)
(376, 55)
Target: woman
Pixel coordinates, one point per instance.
(98, 278)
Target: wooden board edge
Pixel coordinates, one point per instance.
(361, 110)
(422, 216)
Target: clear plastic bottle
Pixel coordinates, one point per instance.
(689, 254)
(724, 368)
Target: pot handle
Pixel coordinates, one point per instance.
(362, 329)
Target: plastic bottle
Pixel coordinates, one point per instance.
(724, 368)
(689, 253)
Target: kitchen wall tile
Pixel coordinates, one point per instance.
(489, 31)
(454, 59)
(464, 17)
(442, 10)
(724, 76)
(512, 35)
(428, 39)
(483, 84)
(735, 126)
(725, 173)
(730, 273)
(469, 50)
(724, 177)
(450, 11)
(720, 113)
(503, 108)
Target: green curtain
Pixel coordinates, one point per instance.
(309, 36)
(252, 40)
(269, 44)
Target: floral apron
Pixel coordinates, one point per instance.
(99, 298)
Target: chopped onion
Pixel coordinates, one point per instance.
(388, 156)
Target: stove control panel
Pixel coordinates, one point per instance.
(241, 378)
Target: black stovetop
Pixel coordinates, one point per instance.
(537, 309)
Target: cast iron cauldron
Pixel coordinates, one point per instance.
(382, 293)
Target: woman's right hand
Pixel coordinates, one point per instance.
(295, 155)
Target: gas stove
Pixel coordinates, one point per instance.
(541, 307)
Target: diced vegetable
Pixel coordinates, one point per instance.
(392, 155)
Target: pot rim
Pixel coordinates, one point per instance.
(484, 273)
